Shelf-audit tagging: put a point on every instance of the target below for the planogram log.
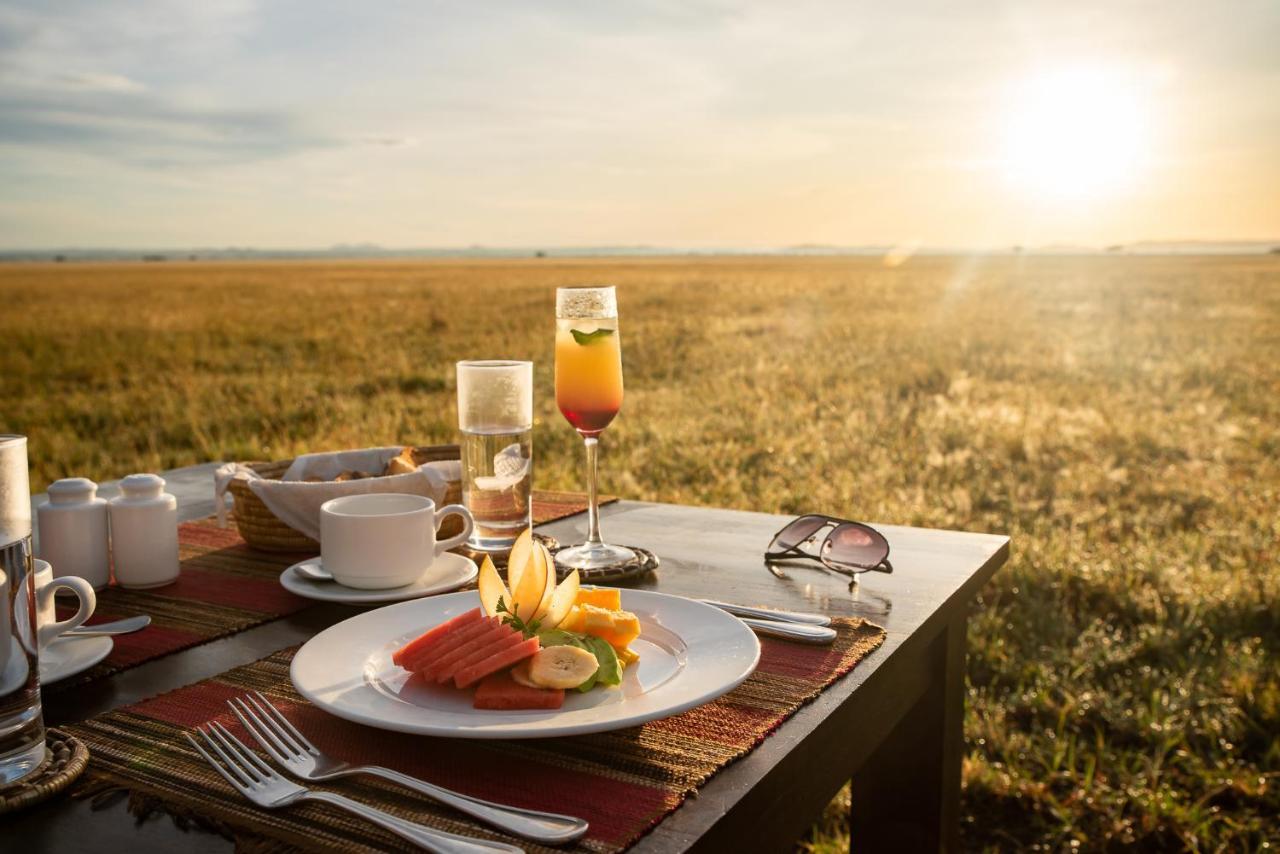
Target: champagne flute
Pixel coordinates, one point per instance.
(589, 394)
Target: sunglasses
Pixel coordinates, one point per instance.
(849, 548)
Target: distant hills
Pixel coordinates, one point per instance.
(370, 250)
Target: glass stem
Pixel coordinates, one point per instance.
(593, 500)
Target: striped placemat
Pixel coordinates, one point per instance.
(224, 587)
(622, 782)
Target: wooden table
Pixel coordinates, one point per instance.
(894, 725)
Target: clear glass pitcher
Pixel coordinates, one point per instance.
(21, 725)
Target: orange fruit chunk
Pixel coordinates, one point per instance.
(619, 628)
(601, 597)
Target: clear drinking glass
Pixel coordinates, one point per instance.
(495, 415)
(21, 724)
(589, 394)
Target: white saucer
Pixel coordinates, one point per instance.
(449, 572)
(67, 656)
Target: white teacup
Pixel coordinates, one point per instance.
(46, 610)
(382, 540)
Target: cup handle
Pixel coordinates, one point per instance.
(469, 524)
(88, 601)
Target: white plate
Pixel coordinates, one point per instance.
(66, 656)
(690, 653)
(449, 572)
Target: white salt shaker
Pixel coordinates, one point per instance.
(73, 531)
(144, 532)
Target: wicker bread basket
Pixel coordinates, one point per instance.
(262, 530)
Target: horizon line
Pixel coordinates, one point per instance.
(365, 249)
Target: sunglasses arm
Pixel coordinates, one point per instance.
(792, 553)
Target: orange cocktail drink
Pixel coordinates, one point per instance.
(588, 372)
(589, 394)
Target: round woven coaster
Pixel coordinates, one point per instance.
(500, 558)
(66, 760)
(645, 563)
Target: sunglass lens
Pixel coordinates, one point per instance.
(855, 546)
(798, 531)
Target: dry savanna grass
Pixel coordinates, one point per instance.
(1119, 417)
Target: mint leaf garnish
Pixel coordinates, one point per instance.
(585, 338)
(512, 619)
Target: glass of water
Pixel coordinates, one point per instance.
(21, 724)
(495, 415)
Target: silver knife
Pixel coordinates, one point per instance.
(766, 614)
(803, 632)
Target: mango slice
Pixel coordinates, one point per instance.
(531, 587)
(492, 589)
(619, 628)
(601, 597)
(561, 601)
(521, 552)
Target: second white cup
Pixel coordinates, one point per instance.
(383, 540)
(46, 609)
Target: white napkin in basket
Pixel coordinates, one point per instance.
(297, 503)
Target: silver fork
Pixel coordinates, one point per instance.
(282, 741)
(258, 782)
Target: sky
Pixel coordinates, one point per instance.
(687, 124)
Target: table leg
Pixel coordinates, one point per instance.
(906, 796)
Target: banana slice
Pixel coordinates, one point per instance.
(520, 674)
(561, 667)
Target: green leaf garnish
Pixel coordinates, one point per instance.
(585, 338)
(559, 637)
(610, 671)
(512, 619)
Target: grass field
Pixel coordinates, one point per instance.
(1119, 417)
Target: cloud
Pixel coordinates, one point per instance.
(106, 79)
(97, 81)
(390, 141)
(143, 129)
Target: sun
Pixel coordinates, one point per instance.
(1078, 133)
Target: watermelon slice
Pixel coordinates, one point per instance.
(446, 645)
(493, 633)
(431, 637)
(504, 658)
(500, 691)
(451, 642)
(476, 654)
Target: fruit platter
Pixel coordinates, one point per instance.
(530, 639)
(525, 657)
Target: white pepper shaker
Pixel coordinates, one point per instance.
(73, 531)
(144, 532)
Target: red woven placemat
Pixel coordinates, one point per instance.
(225, 587)
(622, 782)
